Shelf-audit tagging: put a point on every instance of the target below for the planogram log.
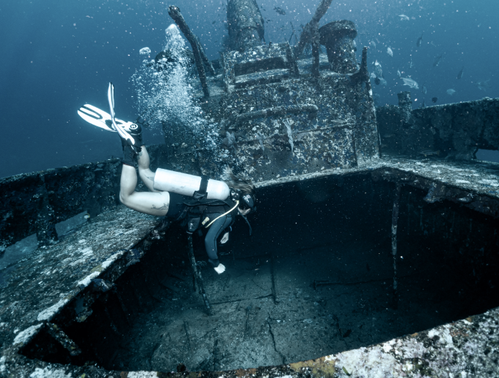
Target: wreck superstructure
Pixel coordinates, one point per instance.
(286, 121)
(305, 130)
(279, 115)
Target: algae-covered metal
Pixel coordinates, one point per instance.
(453, 131)
(278, 114)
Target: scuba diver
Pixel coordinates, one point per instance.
(198, 202)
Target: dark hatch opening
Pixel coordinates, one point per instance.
(314, 279)
(260, 66)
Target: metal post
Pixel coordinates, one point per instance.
(395, 218)
(198, 279)
(308, 34)
(174, 13)
(272, 274)
(315, 53)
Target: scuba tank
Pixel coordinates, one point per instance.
(187, 185)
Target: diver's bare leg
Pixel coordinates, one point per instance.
(156, 203)
(145, 172)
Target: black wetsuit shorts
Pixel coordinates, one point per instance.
(176, 205)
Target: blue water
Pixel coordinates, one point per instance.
(58, 55)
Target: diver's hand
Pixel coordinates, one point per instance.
(225, 238)
(243, 212)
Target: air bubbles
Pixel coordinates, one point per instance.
(165, 97)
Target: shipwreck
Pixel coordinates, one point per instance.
(375, 248)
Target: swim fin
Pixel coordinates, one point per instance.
(126, 136)
(98, 117)
(130, 132)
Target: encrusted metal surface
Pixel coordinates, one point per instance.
(47, 280)
(35, 202)
(479, 176)
(450, 130)
(245, 24)
(298, 126)
(465, 348)
(273, 62)
(474, 185)
(41, 284)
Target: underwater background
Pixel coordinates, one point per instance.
(58, 55)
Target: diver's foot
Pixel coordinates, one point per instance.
(131, 134)
(131, 141)
(220, 268)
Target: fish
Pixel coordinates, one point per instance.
(279, 10)
(389, 51)
(403, 17)
(424, 90)
(427, 153)
(411, 63)
(373, 44)
(399, 74)
(451, 91)
(377, 75)
(410, 83)
(460, 74)
(378, 70)
(483, 85)
(419, 41)
(437, 60)
(434, 99)
(380, 81)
